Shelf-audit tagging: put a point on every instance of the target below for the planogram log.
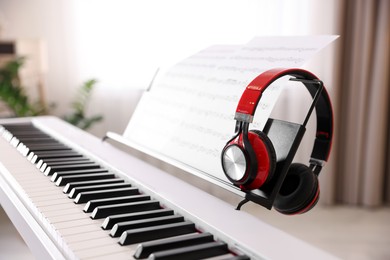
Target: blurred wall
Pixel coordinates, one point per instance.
(121, 43)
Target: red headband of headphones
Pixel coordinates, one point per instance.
(253, 92)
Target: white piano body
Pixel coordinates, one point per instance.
(241, 231)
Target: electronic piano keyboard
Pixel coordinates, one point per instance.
(72, 196)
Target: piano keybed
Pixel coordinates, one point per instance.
(95, 213)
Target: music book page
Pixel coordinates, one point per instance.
(188, 114)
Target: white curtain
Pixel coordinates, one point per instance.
(362, 173)
(356, 73)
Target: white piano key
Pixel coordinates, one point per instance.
(17, 165)
(79, 230)
(57, 207)
(64, 218)
(54, 213)
(49, 202)
(39, 164)
(31, 181)
(43, 193)
(28, 181)
(22, 149)
(34, 159)
(86, 236)
(46, 171)
(72, 223)
(43, 167)
(52, 197)
(30, 156)
(8, 136)
(117, 256)
(28, 173)
(103, 250)
(14, 141)
(93, 242)
(26, 152)
(40, 188)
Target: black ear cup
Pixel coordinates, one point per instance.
(270, 150)
(299, 192)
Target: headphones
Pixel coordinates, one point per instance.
(249, 158)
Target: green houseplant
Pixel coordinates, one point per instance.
(12, 93)
(78, 116)
(15, 98)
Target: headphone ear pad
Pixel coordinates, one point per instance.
(299, 192)
(270, 151)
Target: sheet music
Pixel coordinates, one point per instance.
(188, 115)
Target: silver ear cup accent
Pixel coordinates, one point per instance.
(234, 162)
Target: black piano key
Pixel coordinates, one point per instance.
(72, 167)
(84, 197)
(31, 136)
(38, 140)
(59, 160)
(129, 207)
(68, 187)
(152, 233)
(24, 129)
(44, 156)
(75, 191)
(46, 148)
(46, 168)
(44, 140)
(237, 257)
(63, 180)
(53, 144)
(110, 221)
(57, 153)
(67, 162)
(120, 227)
(57, 175)
(55, 161)
(92, 204)
(201, 251)
(145, 249)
